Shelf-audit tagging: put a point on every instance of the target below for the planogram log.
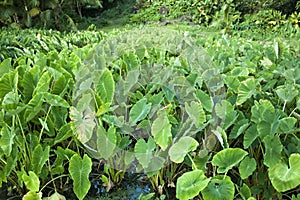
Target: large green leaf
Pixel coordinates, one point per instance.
(246, 90)
(247, 167)
(144, 151)
(31, 181)
(228, 158)
(180, 149)
(205, 100)
(7, 140)
(5, 66)
(286, 124)
(161, 130)
(273, 148)
(287, 93)
(250, 135)
(105, 87)
(190, 184)
(10, 103)
(226, 112)
(139, 111)
(220, 187)
(54, 100)
(83, 123)
(8, 82)
(106, 142)
(43, 83)
(284, 177)
(196, 113)
(39, 158)
(79, 170)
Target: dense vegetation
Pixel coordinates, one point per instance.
(191, 100)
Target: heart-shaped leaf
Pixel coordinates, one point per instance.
(287, 93)
(139, 111)
(105, 87)
(284, 177)
(31, 181)
(247, 167)
(161, 130)
(106, 142)
(190, 184)
(220, 187)
(228, 158)
(180, 149)
(246, 90)
(226, 112)
(273, 150)
(79, 170)
(196, 113)
(7, 140)
(144, 151)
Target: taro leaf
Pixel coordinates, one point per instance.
(287, 93)
(106, 142)
(10, 102)
(239, 128)
(268, 124)
(161, 130)
(180, 149)
(105, 87)
(131, 61)
(143, 151)
(245, 192)
(7, 140)
(228, 158)
(190, 184)
(139, 111)
(250, 135)
(221, 136)
(273, 148)
(31, 181)
(226, 112)
(39, 158)
(247, 167)
(29, 81)
(79, 170)
(246, 90)
(196, 113)
(233, 83)
(259, 108)
(131, 79)
(83, 123)
(205, 99)
(155, 164)
(220, 187)
(54, 100)
(31, 195)
(284, 177)
(286, 124)
(5, 66)
(55, 196)
(43, 83)
(8, 82)
(34, 106)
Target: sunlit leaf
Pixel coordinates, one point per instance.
(180, 149)
(205, 99)
(228, 158)
(226, 112)
(55, 196)
(83, 123)
(31, 181)
(79, 170)
(106, 142)
(39, 158)
(43, 83)
(31, 195)
(54, 100)
(5, 66)
(247, 167)
(8, 82)
(7, 140)
(238, 128)
(196, 113)
(273, 148)
(105, 87)
(190, 184)
(287, 93)
(246, 90)
(144, 151)
(286, 177)
(286, 124)
(220, 187)
(139, 111)
(259, 108)
(161, 130)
